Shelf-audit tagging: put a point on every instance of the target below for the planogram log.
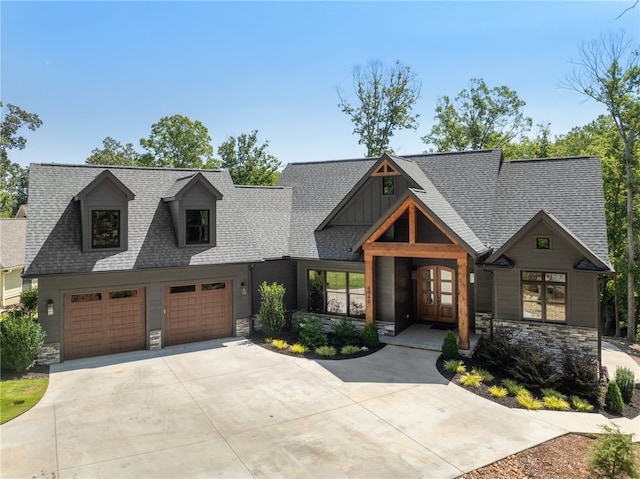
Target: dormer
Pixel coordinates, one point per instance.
(192, 203)
(104, 213)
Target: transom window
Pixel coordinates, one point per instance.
(105, 228)
(337, 292)
(197, 226)
(544, 296)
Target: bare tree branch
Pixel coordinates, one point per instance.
(627, 9)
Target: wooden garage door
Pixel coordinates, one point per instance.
(197, 312)
(103, 322)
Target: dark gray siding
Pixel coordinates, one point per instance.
(281, 271)
(368, 204)
(384, 296)
(427, 232)
(483, 291)
(403, 293)
(154, 281)
(582, 287)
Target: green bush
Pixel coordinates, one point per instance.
(483, 374)
(29, 301)
(513, 386)
(470, 380)
(310, 332)
(454, 366)
(613, 398)
(326, 351)
(497, 353)
(450, 346)
(271, 313)
(555, 403)
(349, 349)
(626, 382)
(345, 333)
(20, 340)
(549, 392)
(370, 336)
(579, 376)
(533, 369)
(498, 391)
(527, 401)
(580, 404)
(613, 455)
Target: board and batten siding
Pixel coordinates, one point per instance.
(278, 271)
(154, 282)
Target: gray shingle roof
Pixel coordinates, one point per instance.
(12, 242)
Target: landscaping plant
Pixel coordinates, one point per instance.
(298, 348)
(512, 386)
(20, 340)
(498, 391)
(271, 313)
(280, 344)
(555, 403)
(450, 346)
(470, 380)
(527, 401)
(326, 351)
(580, 404)
(613, 455)
(370, 336)
(497, 353)
(626, 382)
(533, 369)
(613, 398)
(29, 302)
(345, 332)
(552, 393)
(454, 366)
(310, 332)
(580, 376)
(484, 375)
(349, 349)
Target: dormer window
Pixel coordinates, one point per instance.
(197, 226)
(388, 185)
(105, 228)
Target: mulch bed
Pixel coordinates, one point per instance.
(38, 371)
(631, 410)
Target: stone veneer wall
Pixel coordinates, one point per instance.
(385, 328)
(243, 327)
(548, 336)
(49, 354)
(155, 339)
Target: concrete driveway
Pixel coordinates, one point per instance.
(233, 409)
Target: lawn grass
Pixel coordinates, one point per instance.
(20, 395)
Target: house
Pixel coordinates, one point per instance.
(141, 258)
(12, 250)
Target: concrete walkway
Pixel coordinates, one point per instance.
(233, 409)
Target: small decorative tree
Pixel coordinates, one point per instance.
(613, 398)
(613, 455)
(271, 313)
(450, 346)
(29, 301)
(626, 382)
(20, 340)
(370, 337)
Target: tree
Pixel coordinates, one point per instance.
(608, 72)
(385, 98)
(113, 153)
(14, 180)
(178, 142)
(247, 162)
(478, 118)
(537, 147)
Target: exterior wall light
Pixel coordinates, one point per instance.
(49, 307)
(243, 289)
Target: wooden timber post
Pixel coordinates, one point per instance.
(463, 305)
(369, 310)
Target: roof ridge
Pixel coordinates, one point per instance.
(346, 160)
(554, 158)
(264, 187)
(126, 167)
(443, 153)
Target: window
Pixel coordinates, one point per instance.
(336, 292)
(388, 185)
(127, 293)
(543, 242)
(188, 288)
(212, 286)
(544, 296)
(83, 298)
(197, 226)
(105, 228)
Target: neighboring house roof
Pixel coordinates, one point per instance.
(12, 242)
(22, 211)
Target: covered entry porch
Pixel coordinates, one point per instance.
(424, 336)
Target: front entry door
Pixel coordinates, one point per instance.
(436, 294)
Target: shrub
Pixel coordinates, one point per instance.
(549, 392)
(626, 382)
(345, 332)
(271, 313)
(483, 374)
(29, 301)
(533, 369)
(450, 346)
(326, 351)
(454, 366)
(580, 376)
(527, 401)
(310, 332)
(613, 455)
(513, 386)
(349, 349)
(470, 380)
(280, 344)
(498, 391)
(370, 336)
(613, 398)
(555, 403)
(580, 404)
(298, 348)
(497, 353)
(20, 340)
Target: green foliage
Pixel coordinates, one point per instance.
(113, 153)
(497, 353)
(454, 366)
(470, 380)
(345, 332)
(498, 391)
(178, 142)
(271, 313)
(626, 382)
(514, 387)
(580, 376)
(298, 348)
(29, 301)
(20, 340)
(280, 344)
(527, 401)
(580, 404)
(385, 98)
(450, 346)
(370, 336)
(478, 118)
(483, 374)
(310, 332)
(555, 403)
(613, 398)
(613, 455)
(549, 392)
(326, 351)
(532, 368)
(349, 349)
(249, 163)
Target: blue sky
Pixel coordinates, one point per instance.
(97, 69)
